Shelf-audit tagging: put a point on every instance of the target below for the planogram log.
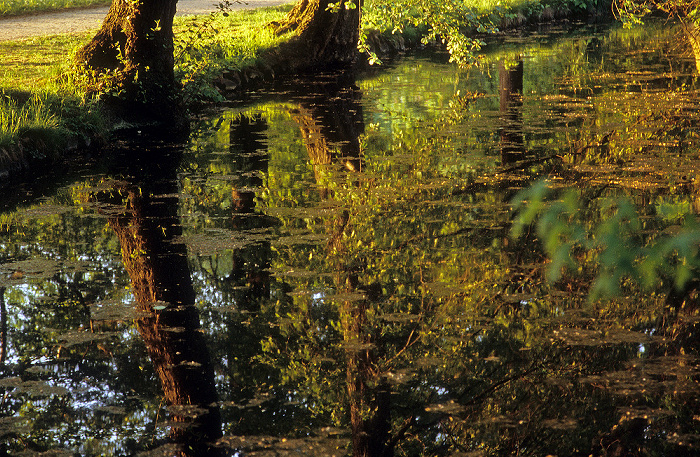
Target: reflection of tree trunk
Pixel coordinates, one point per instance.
(331, 124)
(248, 149)
(511, 102)
(251, 264)
(370, 407)
(693, 34)
(170, 327)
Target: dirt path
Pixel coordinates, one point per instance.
(80, 20)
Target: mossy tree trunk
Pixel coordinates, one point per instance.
(134, 50)
(325, 37)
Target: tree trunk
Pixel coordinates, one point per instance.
(323, 38)
(134, 51)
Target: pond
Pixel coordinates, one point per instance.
(329, 268)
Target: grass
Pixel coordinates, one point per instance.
(37, 63)
(36, 94)
(38, 91)
(206, 46)
(19, 7)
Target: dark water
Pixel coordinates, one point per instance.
(328, 270)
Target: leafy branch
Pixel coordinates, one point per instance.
(617, 246)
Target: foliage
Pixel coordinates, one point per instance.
(462, 25)
(479, 354)
(452, 22)
(632, 12)
(617, 248)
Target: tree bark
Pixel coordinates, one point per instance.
(323, 39)
(134, 52)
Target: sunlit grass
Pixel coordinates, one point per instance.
(16, 118)
(38, 89)
(35, 63)
(491, 5)
(18, 7)
(234, 40)
(34, 90)
(208, 45)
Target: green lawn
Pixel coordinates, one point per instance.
(18, 7)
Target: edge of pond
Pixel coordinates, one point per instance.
(36, 152)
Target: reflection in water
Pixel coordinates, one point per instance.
(692, 34)
(3, 326)
(251, 158)
(510, 87)
(349, 264)
(329, 116)
(331, 124)
(168, 320)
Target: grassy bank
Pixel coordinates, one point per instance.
(208, 46)
(42, 114)
(44, 110)
(43, 107)
(20, 7)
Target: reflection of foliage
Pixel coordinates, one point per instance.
(459, 23)
(64, 352)
(399, 277)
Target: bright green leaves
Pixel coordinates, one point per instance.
(556, 225)
(335, 7)
(451, 23)
(609, 238)
(631, 12)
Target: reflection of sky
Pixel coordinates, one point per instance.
(46, 299)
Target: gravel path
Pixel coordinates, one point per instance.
(80, 20)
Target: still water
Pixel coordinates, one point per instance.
(329, 269)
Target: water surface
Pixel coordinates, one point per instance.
(329, 270)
